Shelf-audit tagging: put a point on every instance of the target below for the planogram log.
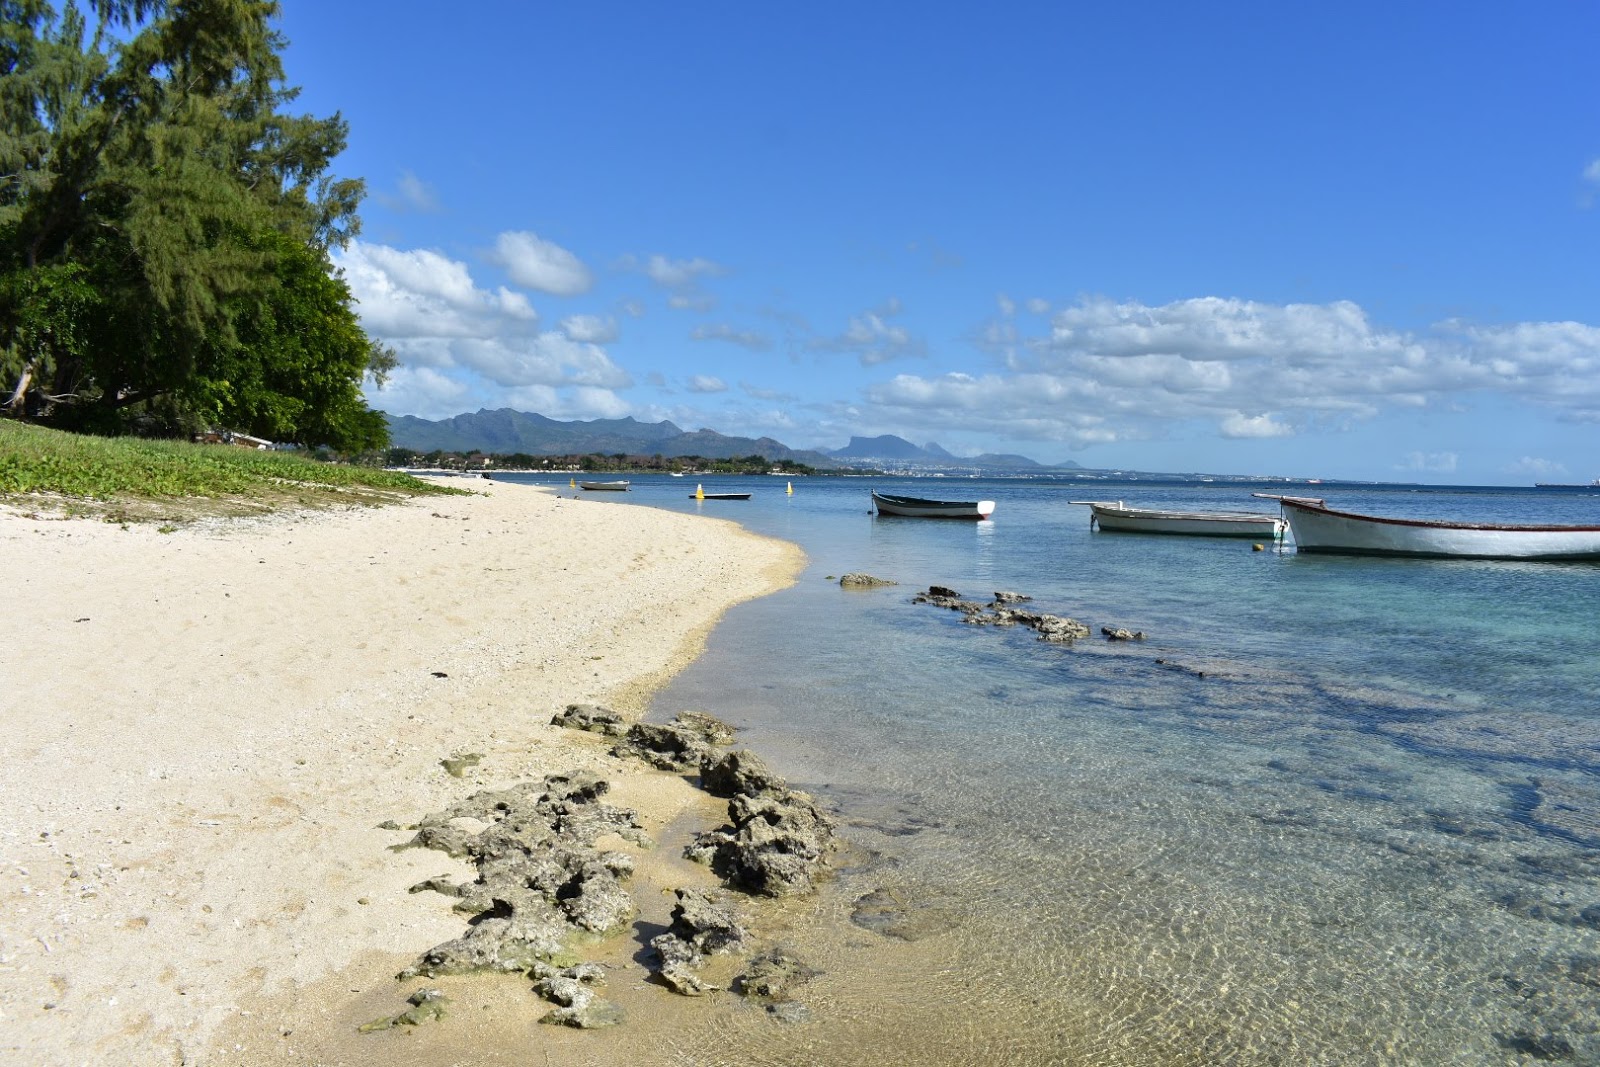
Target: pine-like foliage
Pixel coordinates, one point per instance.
(163, 222)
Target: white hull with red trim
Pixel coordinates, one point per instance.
(1318, 528)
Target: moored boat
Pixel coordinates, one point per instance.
(614, 487)
(888, 504)
(1121, 518)
(1319, 528)
(719, 496)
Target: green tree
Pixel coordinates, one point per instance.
(159, 215)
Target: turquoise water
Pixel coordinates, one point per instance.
(1331, 810)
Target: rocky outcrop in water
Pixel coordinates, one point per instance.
(1117, 633)
(777, 839)
(683, 744)
(700, 927)
(1055, 629)
(856, 580)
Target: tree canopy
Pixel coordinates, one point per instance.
(165, 228)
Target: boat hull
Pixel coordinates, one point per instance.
(1187, 523)
(604, 487)
(917, 507)
(1318, 529)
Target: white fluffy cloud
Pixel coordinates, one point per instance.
(1431, 462)
(678, 273)
(591, 328)
(474, 342)
(706, 383)
(721, 331)
(543, 265)
(1245, 369)
(422, 293)
(1238, 425)
(873, 338)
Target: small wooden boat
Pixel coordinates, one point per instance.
(612, 487)
(932, 509)
(1119, 517)
(1318, 528)
(719, 496)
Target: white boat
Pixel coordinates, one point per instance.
(888, 504)
(1119, 517)
(614, 487)
(1318, 528)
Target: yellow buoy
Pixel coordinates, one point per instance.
(1258, 548)
(573, 482)
(699, 491)
(790, 490)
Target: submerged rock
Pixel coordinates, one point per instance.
(887, 911)
(1117, 633)
(1010, 598)
(863, 581)
(773, 976)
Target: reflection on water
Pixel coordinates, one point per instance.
(1333, 811)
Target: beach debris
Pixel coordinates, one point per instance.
(856, 580)
(778, 838)
(439, 674)
(1117, 633)
(456, 766)
(540, 879)
(592, 718)
(427, 1005)
(680, 745)
(701, 927)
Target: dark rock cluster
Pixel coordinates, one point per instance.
(856, 580)
(543, 885)
(540, 881)
(683, 744)
(591, 717)
(1053, 628)
(700, 927)
(777, 839)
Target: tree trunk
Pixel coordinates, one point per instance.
(20, 393)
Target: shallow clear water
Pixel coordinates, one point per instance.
(1332, 810)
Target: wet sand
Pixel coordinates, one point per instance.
(205, 728)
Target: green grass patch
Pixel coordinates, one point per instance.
(128, 478)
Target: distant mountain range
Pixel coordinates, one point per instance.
(508, 431)
(891, 451)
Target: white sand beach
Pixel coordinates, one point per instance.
(204, 728)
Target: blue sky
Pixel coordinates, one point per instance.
(1350, 240)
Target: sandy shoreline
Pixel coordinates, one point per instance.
(206, 725)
